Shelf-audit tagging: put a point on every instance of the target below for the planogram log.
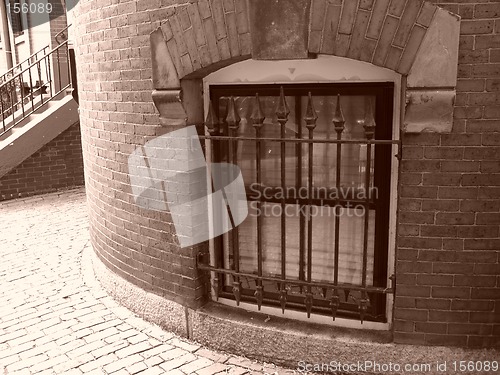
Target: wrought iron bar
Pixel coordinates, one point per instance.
(212, 125)
(3, 116)
(338, 122)
(59, 69)
(68, 61)
(296, 282)
(282, 112)
(49, 77)
(258, 118)
(31, 89)
(302, 217)
(12, 104)
(21, 85)
(369, 127)
(310, 119)
(39, 82)
(233, 121)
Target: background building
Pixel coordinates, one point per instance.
(424, 73)
(45, 154)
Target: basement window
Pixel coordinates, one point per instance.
(317, 160)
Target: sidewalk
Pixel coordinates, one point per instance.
(54, 322)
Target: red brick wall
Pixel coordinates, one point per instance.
(448, 256)
(57, 165)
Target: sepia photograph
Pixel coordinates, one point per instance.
(268, 187)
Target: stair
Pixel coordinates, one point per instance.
(40, 115)
(35, 131)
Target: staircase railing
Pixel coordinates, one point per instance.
(9, 73)
(33, 83)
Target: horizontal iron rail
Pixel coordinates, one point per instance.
(296, 305)
(279, 280)
(300, 140)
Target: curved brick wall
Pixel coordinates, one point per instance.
(448, 246)
(117, 114)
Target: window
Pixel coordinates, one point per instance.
(316, 238)
(16, 17)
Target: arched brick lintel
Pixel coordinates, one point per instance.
(405, 36)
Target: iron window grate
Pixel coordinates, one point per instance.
(301, 289)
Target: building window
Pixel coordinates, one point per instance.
(16, 15)
(316, 161)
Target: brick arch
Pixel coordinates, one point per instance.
(405, 36)
(199, 37)
(385, 33)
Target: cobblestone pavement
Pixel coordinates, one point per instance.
(52, 322)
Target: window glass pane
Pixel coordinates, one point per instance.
(323, 239)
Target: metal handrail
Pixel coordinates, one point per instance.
(60, 32)
(17, 93)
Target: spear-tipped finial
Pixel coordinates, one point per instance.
(338, 118)
(233, 118)
(257, 116)
(211, 121)
(311, 117)
(369, 122)
(282, 111)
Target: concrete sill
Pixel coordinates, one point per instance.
(276, 339)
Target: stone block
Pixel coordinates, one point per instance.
(279, 29)
(437, 59)
(164, 72)
(429, 111)
(169, 105)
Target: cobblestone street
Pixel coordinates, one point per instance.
(56, 319)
